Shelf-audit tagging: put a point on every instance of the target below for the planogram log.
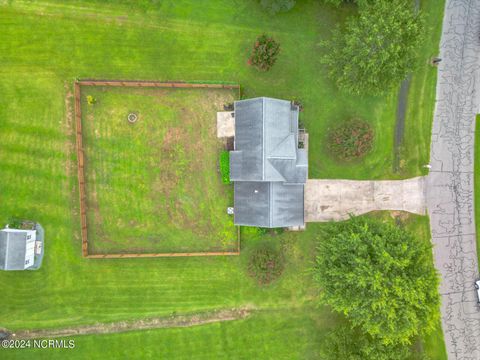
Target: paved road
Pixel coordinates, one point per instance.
(327, 200)
(450, 197)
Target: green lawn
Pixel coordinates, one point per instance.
(46, 45)
(254, 338)
(286, 324)
(154, 186)
(415, 151)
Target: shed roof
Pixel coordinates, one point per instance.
(16, 249)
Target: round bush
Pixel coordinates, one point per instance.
(265, 264)
(264, 53)
(350, 140)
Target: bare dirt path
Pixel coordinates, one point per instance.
(145, 324)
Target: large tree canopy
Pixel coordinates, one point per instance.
(377, 49)
(346, 343)
(380, 277)
(337, 2)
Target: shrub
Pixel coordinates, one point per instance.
(350, 140)
(277, 231)
(264, 53)
(229, 107)
(15, 223)
(265, 264)
(262, 230)
(225, 166)
(298, 103)
(91, 100)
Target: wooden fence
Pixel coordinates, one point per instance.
(81, 164)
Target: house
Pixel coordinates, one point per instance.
(268, 165)
(21, 249)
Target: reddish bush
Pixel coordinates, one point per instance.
(350, 140)
(265, 264)
(264, 53)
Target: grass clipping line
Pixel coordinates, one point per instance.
(176, 321)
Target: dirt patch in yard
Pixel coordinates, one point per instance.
(177, 321)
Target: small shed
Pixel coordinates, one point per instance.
(21, 249)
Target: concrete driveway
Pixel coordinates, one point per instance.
(450, 196)
(327, 200)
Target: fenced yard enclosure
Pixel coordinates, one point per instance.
(152, 188)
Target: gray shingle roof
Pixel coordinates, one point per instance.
(266, 137)
(252, 203)
(267, 168)
(12, 250)
(268, 204)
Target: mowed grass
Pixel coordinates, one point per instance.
(254, 338)
(293, 328)
(415, 150)
(46, 45)
(186, 40)
(154, 186)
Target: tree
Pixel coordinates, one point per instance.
(334, 2)
(377, 49)
(380, 277)
(264, 53)
(339, 2)
(276, 6)
(346, 343)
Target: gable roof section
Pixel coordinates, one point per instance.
(287, 205)
(266, 130)
(248, 140)
(252, 203)
(268, 204)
